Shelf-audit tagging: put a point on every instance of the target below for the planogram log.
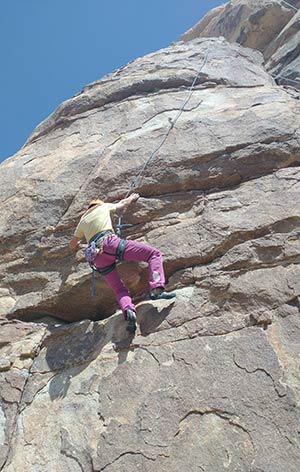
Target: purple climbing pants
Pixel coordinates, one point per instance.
(134, 251)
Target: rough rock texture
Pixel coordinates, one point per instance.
(211, 381)
(237, 126)
(197, 390)
(271, 26)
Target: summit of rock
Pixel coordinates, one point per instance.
(270, 26)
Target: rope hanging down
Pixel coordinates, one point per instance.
(289, 4)
(139, 177)
(278, 76)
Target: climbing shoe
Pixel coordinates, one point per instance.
(159, 294)
(131, 318)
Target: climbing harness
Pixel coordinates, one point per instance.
(96, 243)
(139, 177)
(91, 252)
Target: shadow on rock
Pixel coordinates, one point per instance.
(151, 316)
(69, 349)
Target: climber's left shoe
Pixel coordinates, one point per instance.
(131, 318)
(159, 294)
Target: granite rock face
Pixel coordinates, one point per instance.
(194, 390)
(271, 26)
(237, 126)
(210, 381)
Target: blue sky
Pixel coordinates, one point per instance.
(51, 49)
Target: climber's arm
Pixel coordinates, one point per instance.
(74, 243)
(126, 201)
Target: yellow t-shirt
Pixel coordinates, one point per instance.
(94, 221)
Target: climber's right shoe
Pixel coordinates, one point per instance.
(131, 318)
(159, 294)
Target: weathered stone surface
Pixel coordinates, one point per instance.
(238, 125)
(283, 54)
(19, 345)
(271, 26)
(191, 391)
(210, 381)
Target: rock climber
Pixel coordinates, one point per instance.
(96, 227)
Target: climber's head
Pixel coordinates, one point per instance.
(94, 203)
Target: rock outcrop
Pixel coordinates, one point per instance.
(211, 381)
(271, 26)
(237, 126)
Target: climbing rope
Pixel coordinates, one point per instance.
(173, 122)
(278, 76)
(289, 4)
(139, 177)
